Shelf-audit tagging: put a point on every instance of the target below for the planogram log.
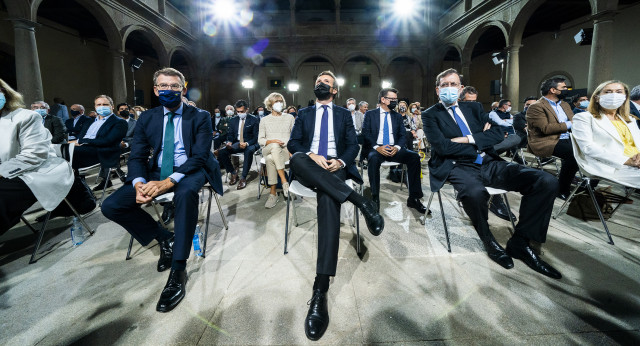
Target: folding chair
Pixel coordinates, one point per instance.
(490, 190)
(586, 181)
(168, 198)
(298, 189)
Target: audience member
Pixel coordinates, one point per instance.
(138, 110)
(242, 138)
(51, 122)
(324, 147)
(260, 112)
(384, 129)
(416, 124)
(607, 137)
(273, 136)
(29, 168)
(462, 141)
(502, 117)
(93, 115)
(293, 111)
(124, 112)
(580, 103)
(220, 124)
(77, 121)
(520, 123)
(59, 109)
(356, 116)
(409, 126)
(469, 94)
(170, 151)
(634, 106)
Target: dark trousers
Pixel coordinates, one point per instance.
(538, 189)
(84, 156)
(217, 142)
(404, 156)
(224, 156)
(15, 198)
(564, 150)
(121, 207)
(331, 193)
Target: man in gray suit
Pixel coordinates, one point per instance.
(124, 112)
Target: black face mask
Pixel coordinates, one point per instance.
(322, 91)
(563, 94)
(392, 105)
(74, 113)
(124, 114)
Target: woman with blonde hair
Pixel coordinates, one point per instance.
(416, 123)
(29, 168)
(273, 135)
(607, 136)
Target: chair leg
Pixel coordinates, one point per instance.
(402, 178)
(513, 224)
(444, 222)
(595, 203)
(429, 204)
(286, 225)
(355, 212)
(75, 212)
(573, 193)
(28, 225)
(106, 180)
(224, 220)
(629, 192)
(129, 251)
(155, 207)
(295, 215)
(206, 227)
(40, 236)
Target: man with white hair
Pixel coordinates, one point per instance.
(77, 121)
(51, 122)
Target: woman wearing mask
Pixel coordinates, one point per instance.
(403, 109)
(273, 135)
(416, 124)
(608, 137)
(292, 110)
(29, 168)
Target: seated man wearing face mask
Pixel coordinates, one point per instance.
(51, 122)
(124, 112)
(220, 124)
(242, 138)
(77, 121)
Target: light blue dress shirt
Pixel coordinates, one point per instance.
(95, 127)
(562, 116)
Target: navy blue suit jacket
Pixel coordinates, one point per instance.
(83, 122)
(440, 128)
(197, 134)
(344, 133)
(635, 112)
(251, 127)
(371, 128)
(107, 141)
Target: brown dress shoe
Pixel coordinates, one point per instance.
(234, 179)
(242, 184)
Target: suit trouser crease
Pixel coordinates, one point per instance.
(275, 157)
(407, 157)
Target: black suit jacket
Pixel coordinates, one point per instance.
(107, 141)
(635, 112)
(343, 131)
(57, 129)
(251, 127)
(197, 135)
(371, 128)
(80, 125)
(131, 126)
(519, 123)
(440, 128)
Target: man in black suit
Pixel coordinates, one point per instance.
(124, 112)
(242, 138)
(100, 142)
(180, 137)
(634, 96)
(77, 121)
(51, 122)
(384, 131)
(462, 143)
(324, 147)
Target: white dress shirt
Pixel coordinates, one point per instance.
(331, 147)
(381, 130)
(459, 113)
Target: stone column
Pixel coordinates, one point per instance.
(601, 50)
(466, 75)
(119, 78)
(511, 89)
(27, 62)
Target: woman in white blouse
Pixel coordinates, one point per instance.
(275, 130)
(607, 136)
(29, 168)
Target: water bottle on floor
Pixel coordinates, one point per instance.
(198, 241)
(77, 233)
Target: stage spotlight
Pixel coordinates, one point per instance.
(247, 84)
(386, 84)
(340, 81)
(224, 10)
(293, 86)
(498, 58)
(404, 7)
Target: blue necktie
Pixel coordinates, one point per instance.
(323, 145)
(385, 130)
(465, 131)
(168, 149)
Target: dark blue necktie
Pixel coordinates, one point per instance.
(323, 145)
(465, 131)
(385, 130)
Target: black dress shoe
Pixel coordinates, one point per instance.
(528, 256)
(173, 291)
(318, 317)
(497, 253)
(376, 199)
(168, 212)
(166, 254)
(375, 221)
(417, 205)
(121, 175)
(500, 209)
(100, 186)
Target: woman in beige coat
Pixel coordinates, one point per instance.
(608, 137)
(29, 168)
(274, 132)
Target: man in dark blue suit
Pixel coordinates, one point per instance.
(324, 147)
(384, 130)
(180, 137)
(462, 143)
(77, 121)
(634, 105)
(242, 138)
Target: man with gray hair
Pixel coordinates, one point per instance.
(51, 122)
(634, 96)
(77, 121)
(356, 116)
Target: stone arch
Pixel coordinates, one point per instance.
(274, 56)
(158, 45)
(365, 55)
(304, 58)
(442, 51)
(405, 55)
(226, 58)
(557, 73)
(188, 57)
(477, 32)
(102, 16)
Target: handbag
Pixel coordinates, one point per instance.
(582, 207)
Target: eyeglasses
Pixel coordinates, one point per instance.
(390, 99)
(446, 85)
(174, 87)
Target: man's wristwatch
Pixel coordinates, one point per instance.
(173, 181)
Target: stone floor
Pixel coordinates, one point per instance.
(405, 288)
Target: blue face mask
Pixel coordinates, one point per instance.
(449, 95)
(3, 100)
(42, 112)
(103, 110)
(584, 104)
(170, 98)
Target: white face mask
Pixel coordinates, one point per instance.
(413, 109)
(217, 115)
(612, 101)
(352, 107)
(278, 106)
(508, 110)
(138, 113)
(260, 113)
(229, 112)
(242, 115)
